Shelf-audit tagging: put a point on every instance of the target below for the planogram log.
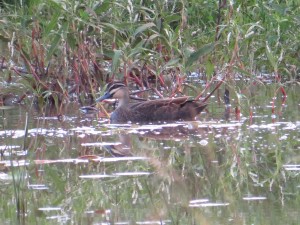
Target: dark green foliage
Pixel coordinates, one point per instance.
(85, 43)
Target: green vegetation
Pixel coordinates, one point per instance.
(71, 48)
(62, 51)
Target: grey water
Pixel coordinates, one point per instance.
(223, 168)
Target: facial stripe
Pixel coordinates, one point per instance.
(113, 86)
(113, 91)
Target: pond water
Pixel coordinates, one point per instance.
(83, 170)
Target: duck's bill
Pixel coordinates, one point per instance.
(105, 96)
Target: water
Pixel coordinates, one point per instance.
(81, 170)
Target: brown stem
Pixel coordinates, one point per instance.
(31, 67)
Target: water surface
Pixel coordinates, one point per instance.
(220, 169)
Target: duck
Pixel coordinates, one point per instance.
(150, 111)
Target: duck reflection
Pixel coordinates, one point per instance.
(155, 133)
(121, 149)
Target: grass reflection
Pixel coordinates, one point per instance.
(202, 173)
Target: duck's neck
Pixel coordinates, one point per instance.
(124, 101)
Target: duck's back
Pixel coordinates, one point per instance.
(158, 111)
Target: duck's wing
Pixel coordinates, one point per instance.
(167, 109)
(160, 102)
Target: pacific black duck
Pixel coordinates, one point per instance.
(151, 111)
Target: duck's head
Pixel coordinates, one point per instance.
(116, 90)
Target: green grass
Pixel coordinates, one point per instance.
(73, 48)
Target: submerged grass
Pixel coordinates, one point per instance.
(218, 163)
(14, 207)
(68, 50)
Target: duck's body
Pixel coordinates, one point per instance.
(150, 111)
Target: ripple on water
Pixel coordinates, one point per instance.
(254, 198)
(114, 175)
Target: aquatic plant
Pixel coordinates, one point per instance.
(68, 50)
